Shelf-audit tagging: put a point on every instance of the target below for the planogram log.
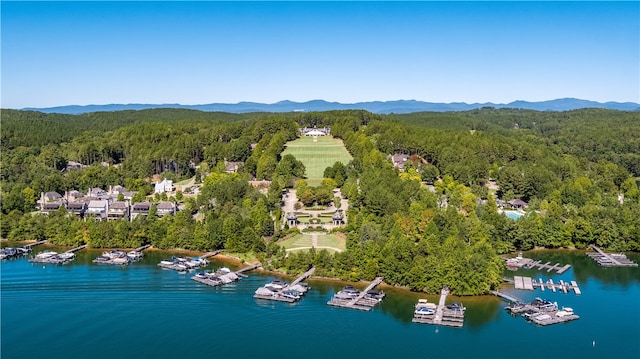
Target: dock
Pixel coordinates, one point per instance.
(542, 312)
(610, 259)
(450, 316)
(540, 266)
(49, 257)
(10, 253)
(506, 296)
(210, 254)
(73, 250)
(528, 263)
(34, 244)
(183, 264)
(526, 283)
(362, 301)
(289, 293)
(222, 276)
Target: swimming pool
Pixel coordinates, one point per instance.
(513, 214)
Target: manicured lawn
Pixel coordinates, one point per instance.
(317, 156)
(304, 241)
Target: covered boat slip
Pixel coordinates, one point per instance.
(283, 292)
(364, 300)
(222, 276)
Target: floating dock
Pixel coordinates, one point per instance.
(288, 293)
(452, 316)
(183, 264)
(119, 257)
(363, 301)
(610, 259)
(49, 257)
(222, 276)
(528, 263)
(526, 283)
(10, 253)
(538, 311)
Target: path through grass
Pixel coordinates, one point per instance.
(304, 241)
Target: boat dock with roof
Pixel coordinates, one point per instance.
(610, 259)
(10, 253)
(539, 311)
(120, 257)
(49, 257)
(183, 264)
(352, 298)
(222, 276)
(447, 315)
(282, 292)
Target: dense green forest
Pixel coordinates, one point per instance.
(578, 171)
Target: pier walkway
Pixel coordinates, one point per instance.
(210, 254)
(284, 294)
(361, 302)
(140, 249)
(610, 260)
(240, 272)
(302, 277)
(506, 296)
(34, 244)
(73, 250)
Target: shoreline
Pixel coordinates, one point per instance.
(236, 261)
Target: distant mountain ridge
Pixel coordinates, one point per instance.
(381, 107)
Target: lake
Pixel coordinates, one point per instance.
(83, 310)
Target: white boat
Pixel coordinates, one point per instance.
(424, 311)
(135, 255)
(66, 256)
(43, 256)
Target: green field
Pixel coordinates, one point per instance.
(303, 241)
(317, 156)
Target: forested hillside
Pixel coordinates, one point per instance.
(577, 170)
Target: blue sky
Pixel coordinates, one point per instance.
(63, 53)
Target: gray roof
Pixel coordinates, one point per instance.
(165, 205)
(119, 205)
(98, 204)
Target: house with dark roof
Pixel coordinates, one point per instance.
(49, 207)
(118, 210)
(398, 160)
(518, 203)
(140, 209)
(51, 197)
(77, 208)
(166, 208)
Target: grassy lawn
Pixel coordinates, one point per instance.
(317, 156)
(304, 240)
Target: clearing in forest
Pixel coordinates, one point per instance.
(318, 155)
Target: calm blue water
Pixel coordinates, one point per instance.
(83, 310)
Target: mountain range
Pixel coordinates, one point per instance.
(382, 107)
